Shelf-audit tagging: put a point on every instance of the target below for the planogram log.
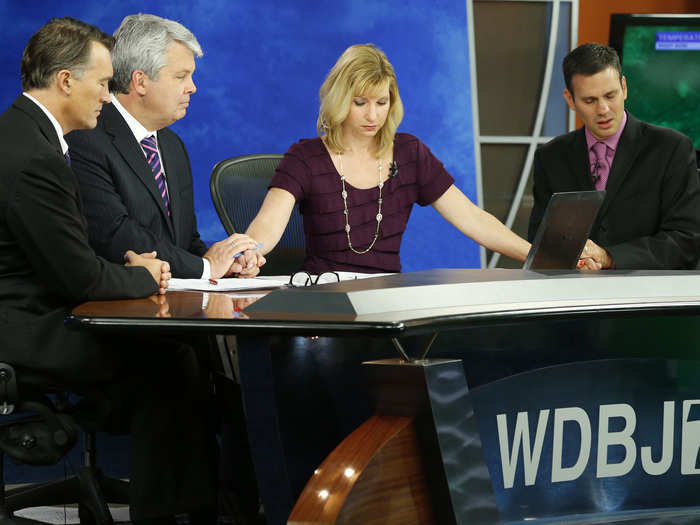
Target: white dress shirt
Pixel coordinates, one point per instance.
(56, 125)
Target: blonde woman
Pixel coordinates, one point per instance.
(357, 182)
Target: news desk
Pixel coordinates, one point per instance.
(462, 396)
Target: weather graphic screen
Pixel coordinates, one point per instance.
(662, 67)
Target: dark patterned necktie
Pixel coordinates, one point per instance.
(149, 146)
(601, 168)
(67, 157)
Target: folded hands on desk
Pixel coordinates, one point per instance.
(159, 270)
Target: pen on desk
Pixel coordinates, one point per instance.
(213, 281)
(237, 255)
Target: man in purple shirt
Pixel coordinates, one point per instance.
(650, 218)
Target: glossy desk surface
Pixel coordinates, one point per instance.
(404, 304)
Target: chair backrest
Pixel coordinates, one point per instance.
(238, 187)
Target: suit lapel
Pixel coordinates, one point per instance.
(627, 150)
(30, 108)
(581, 164)
(170, 165)
(130, 150)
(46, 128)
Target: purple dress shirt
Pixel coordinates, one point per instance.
(611, 143)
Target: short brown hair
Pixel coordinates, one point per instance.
(587, 60)
(360, 70)
(63, 43)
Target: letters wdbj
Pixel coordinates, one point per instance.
(653, 462)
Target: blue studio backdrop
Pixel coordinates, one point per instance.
(257, 85)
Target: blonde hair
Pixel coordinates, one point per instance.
(361, 70)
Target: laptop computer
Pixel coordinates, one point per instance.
(564, 229)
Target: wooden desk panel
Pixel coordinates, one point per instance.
(375, 476)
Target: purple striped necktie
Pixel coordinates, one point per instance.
(149, 146)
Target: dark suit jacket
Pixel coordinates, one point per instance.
(46, 264)
(122, 205)
(650, 218)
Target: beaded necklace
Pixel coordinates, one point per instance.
(344, 194)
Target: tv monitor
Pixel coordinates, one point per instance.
(660, 57)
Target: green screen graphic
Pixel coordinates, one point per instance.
(663, 85)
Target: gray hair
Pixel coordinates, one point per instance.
(141, 42)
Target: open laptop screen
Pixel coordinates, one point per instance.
(564, 229)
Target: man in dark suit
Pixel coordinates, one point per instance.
(134, 172)
(136, 181)
(650, 217)
(47, 267)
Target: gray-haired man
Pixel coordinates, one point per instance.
(136, 180)
(134, 172)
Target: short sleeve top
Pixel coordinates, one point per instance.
(308, 173)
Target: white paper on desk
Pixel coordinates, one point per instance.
(349, 276)
(262, 282)
(239, 295)
(330, 277)
(228, 285)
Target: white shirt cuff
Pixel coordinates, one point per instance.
(206, 269)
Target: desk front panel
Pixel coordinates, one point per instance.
(320, 395)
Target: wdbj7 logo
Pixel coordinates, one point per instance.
(522, 446)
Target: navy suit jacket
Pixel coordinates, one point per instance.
(121, 201)
(46, 264)
(650, 217)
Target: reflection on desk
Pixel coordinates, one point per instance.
(177, 305)
(224, 306)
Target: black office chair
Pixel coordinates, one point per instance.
(238, 187)
(36, 429)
